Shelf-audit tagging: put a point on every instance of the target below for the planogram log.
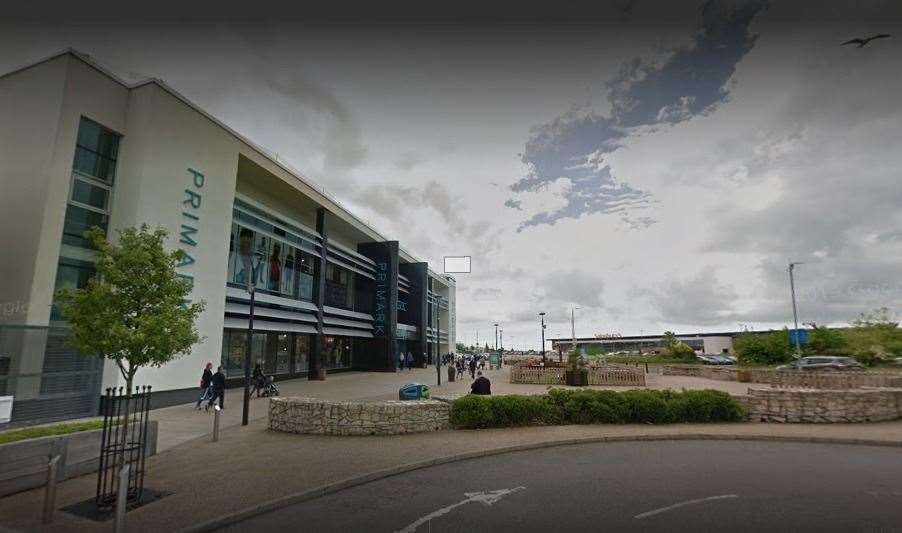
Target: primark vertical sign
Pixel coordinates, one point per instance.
(381, 306)
(190, 221)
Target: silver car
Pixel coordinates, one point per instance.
(823, 362)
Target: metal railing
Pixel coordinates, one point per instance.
(610, 375)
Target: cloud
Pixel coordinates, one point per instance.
(408, 160)
(691, 81)
(697, 300)
(514, 204)
(573, 287)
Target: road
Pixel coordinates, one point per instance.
(649, 486)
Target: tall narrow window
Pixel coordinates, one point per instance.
(93, 173)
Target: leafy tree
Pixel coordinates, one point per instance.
(669, 340)
(680, 350)
(764, 349)
(874, 337)
(133, 310)
(826, 341)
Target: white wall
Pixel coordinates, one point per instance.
(716, 345)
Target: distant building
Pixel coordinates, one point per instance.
(710, 343)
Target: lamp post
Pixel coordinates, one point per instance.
(438, 340)
(542, 315)
(795, 313)
(250, 271)
(496, 336)
(501, 339)
(573, 325)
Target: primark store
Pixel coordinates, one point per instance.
(81, 147)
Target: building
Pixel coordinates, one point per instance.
(709, 343)
(80, 147)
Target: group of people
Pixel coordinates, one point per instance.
(471, 362)
(212, 387)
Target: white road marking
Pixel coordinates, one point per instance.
(884, 493)
(485, 498)
(653, 512)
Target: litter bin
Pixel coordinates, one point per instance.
(452, 373)
(413, 391)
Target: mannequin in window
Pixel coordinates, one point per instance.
(275, 268)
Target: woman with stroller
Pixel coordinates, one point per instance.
(205, 381)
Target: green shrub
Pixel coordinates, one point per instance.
(568, 406)
(764, 349)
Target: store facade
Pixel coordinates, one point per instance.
(331, 293)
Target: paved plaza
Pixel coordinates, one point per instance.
(181, 423)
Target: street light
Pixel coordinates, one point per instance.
(795, 313)
(573, 325)
(246, 243)
(501, 339)
(496, 336)
(542, 315)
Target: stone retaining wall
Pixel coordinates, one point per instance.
(323, 417)
(823, 406)
(788, 378)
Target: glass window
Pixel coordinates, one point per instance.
(233, 363)
(339, 287)
(336, 352)
(283, 353)
(96, 151)
(78, 221)
(88, 194)
(71, 274)
(275, 266)
(301, 353)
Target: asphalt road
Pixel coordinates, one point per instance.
(648, 486)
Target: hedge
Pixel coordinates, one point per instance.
(567, 406)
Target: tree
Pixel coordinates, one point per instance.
(669, 340)
(133, 311)
(875, 337)
(763, 349)
(681, 350)
(826, 341)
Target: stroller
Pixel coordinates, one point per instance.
(269, 387)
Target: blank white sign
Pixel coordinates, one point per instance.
(457, 264)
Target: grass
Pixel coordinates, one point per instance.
(15, 435)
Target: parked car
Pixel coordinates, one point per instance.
(823, 362)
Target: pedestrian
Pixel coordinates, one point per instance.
(205, 391)
(259, 379)
(401, 361)
(217, 383)
(409, 361)
(459, 365)
(472, 368)
(481, 386)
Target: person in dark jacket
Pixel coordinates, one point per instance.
(217, 383)
(205, 379)
(482, 385)
(472, 366)
(259, 380)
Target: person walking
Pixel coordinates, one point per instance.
(481, 386)
(259, 379)
(217, 383)
(472, 368)
(409, 361)
(401, 361)
(205, 391)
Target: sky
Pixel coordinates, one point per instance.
(655, 164)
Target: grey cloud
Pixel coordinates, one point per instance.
(698, 300)
(573, 286)
(691, 81)
(513, 204)
(409, 160)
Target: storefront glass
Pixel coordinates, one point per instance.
(280, 268)
(336, 352)
(301, 353)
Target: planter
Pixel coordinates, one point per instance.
(452, 374)
(744, 376)
(577, 378)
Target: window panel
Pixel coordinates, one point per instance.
(78, 221)
(85, 193)
(301, 352)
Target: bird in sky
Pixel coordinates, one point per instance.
(861, 42)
